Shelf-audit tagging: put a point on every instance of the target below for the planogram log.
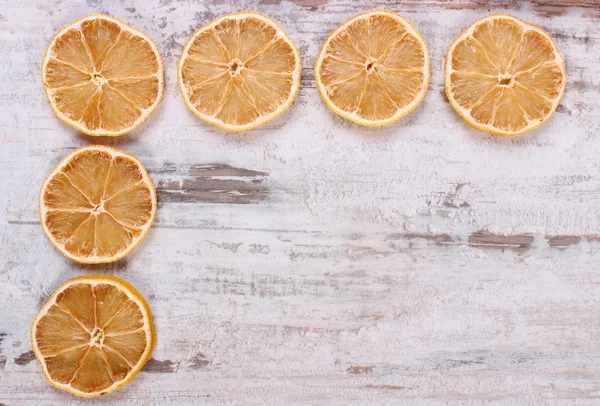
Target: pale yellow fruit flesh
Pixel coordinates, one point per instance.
(505, 77)
(97, 205)
(374, 68)
(102, 77)
(92, 337)
(238, 71)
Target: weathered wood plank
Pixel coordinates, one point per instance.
(316, 262)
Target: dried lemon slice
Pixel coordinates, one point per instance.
(102, 76)
(504, 76)
(93, 336)
(373, 69)
(239, 71)
(97, 204)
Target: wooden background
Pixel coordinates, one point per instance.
(313, 261)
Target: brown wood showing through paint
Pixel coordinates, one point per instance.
(214, 183)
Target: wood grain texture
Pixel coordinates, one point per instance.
(313, 261)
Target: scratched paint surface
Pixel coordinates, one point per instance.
(313, 261)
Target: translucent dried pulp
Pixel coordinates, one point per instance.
(504, 76)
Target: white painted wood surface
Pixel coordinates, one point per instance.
(313, 261)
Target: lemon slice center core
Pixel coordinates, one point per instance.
(506, 80)
(97, 337)
(236, 66)
(99, 208)
(371, 65)
(98, 79)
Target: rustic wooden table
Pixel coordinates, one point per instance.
(313, 261)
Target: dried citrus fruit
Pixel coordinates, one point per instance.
(97, 204)
(102, 76)
(504, 76)
(93, 336)
(239, 71)
(373, 69)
